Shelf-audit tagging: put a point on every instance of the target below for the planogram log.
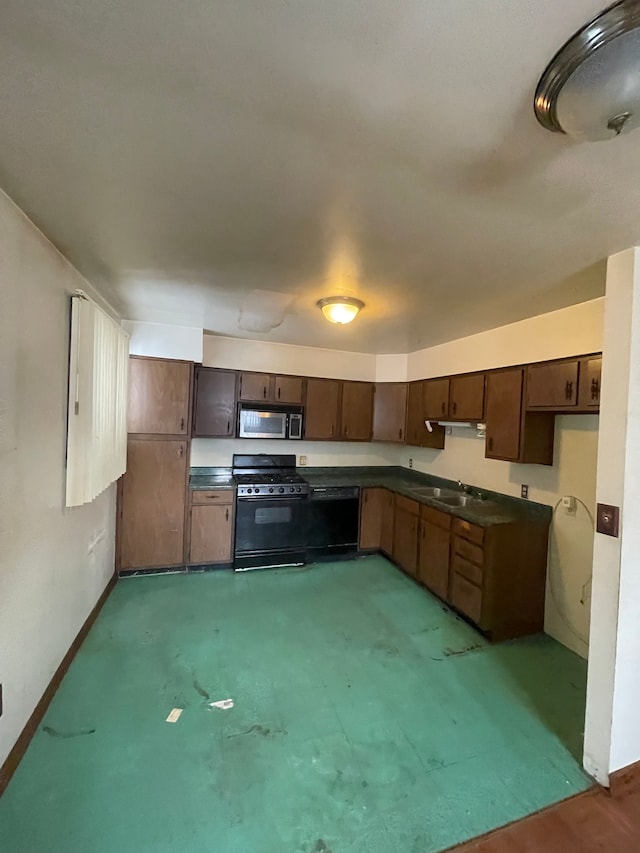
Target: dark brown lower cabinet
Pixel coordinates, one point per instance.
(211, 534)
(405, 534)
(433, 560)
(371, 510)
(152, 500)
(386, 525)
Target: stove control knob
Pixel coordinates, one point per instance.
(281, 490)
(291, 489)
(299, 489)
(249, 491)
(270, 491)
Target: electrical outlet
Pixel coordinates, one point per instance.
(569, 504)
(410, 463)
(524, 491)
(303, 461)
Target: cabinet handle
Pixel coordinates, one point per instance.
(332, 429)
(490, 443)
(228, 427)
(264, 393)
(455, 407)
(279, 389)
(444, 407)
(595, 389)
(181, 424)
(568, 392)
(181, 451)
(400, 433)
(226, 515)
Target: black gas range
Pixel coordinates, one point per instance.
(271, 511)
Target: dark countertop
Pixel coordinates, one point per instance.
(211, 478)
(496, 508)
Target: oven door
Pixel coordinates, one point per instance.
(270, 531)
(262, 424)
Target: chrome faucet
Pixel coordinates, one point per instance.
(465, 488)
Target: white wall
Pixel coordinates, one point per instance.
(218, 452)
(51, 574)
(159, 340)
(612, 733)
(239, 354)
(574, 330)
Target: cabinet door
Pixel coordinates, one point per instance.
(153, 504)
(554, 384)
(466, 397)
(211, 534)
(356, 411)
(386, 525)
(371, 509)
(389, 411)
(503, 414)
(159, 393)
(321, 411)
(433, 564)
(436, 399)
(256, 386)
(405, 539)
(215, 399)
(417, 434)
(590, 380)
(288, 389)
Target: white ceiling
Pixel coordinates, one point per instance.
(188, 156)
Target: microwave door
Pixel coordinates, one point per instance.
(256, 424)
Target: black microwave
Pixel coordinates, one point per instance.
(269, 421)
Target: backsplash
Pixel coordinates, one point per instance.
(218, 451)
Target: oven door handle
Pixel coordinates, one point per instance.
(278, 498)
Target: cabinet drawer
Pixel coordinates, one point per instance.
(468, 531)
(466, 597)
(468, 570)
(434, 516)
(212, 496)
(472, 553)
(407, 505)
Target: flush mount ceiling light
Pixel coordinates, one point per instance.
(591, 88)
(340, 309)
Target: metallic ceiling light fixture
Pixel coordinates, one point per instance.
(340, 309)
(591, 88)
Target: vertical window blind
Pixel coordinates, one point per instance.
(97, 417)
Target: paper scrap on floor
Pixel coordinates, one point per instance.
(174, 716)
(223, 704)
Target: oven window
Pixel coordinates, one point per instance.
(273, 515)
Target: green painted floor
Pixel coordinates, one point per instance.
(367, 717)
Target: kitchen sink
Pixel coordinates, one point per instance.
(459, 500)
(434, 492)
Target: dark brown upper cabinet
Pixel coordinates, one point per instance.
(589, 383)
(513, 434)
(356, 411)
(214, 403)
(417, 434)
(288, 389)
(466, 397)
(322, 410)
(267, 388)
(436, 399)
(255, 386)
(159, 393)
(552, 385)
(390, 411)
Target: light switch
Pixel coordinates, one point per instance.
(607, 520)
